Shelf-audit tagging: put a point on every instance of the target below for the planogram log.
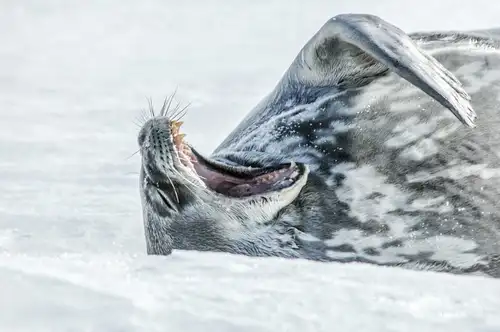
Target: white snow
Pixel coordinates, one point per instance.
(216, 292)
(73, 78)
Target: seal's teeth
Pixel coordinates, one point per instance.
(180, 136)
(270, 177)
(266, 178)
(175, 125)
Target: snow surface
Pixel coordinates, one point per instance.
(73, 78)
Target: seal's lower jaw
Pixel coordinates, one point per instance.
(237, 182)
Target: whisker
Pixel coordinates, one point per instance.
(139, 121)
(133, 154)
(173, 187)
(182, 113)
(180, 110)
(141, 118)
(151, 108)
(152, 112)
(163, 107)
(166, 105)
(188, 181)
(190, 189)
(144, 115)
(187, 160)
(174, 110)
(201, 177)
(170, 102)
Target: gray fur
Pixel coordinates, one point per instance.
(394, 179)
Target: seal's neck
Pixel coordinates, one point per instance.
(286, 101)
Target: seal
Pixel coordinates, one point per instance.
(365, 151)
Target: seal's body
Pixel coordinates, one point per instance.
(357, 155)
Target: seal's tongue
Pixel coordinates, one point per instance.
(260, 186)
(252, 183)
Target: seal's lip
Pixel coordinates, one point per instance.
(232, 181)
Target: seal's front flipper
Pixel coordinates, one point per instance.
(353, 49)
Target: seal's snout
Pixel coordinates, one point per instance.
(165, 163)
(161, 142)
(167, 158)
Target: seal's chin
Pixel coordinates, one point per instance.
(232, 181)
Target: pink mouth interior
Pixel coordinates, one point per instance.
(223, 182)
(239, 187)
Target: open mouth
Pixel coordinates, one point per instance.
(234, 181)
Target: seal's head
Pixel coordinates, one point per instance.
(194, 203)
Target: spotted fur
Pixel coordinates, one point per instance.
(394, 179)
